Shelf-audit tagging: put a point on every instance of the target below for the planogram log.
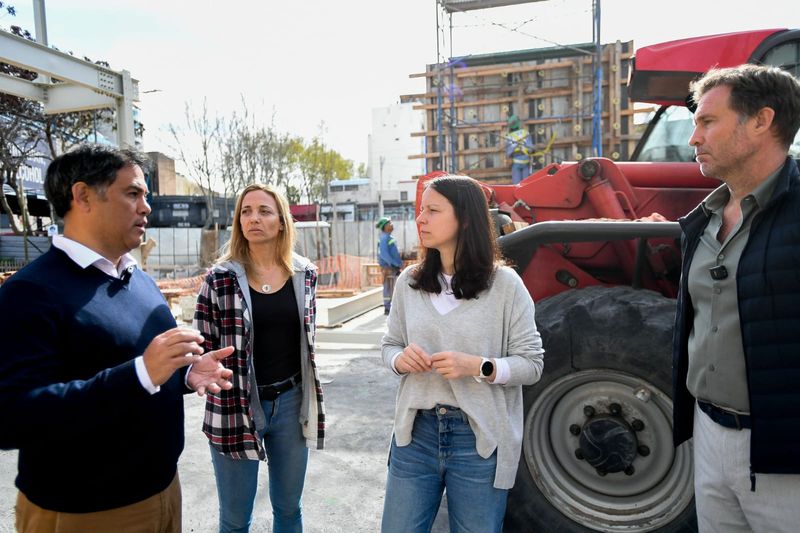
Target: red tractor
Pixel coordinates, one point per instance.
(597, 445)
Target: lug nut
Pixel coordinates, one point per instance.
(637, 424)
(630, 470)
(588, 411)
(601, 473)
(643, 450)
(579, 454)
(575, 429)
(615, 409)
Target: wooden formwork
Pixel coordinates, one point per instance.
(549, 89)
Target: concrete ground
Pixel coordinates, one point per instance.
(345, 482)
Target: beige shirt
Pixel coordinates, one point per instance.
(717, 370)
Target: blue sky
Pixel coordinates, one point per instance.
(315, 61)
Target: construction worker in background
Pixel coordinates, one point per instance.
(388, 259)
(519, 146)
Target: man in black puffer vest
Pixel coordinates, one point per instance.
(736, 356)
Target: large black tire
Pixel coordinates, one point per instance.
(602, 346)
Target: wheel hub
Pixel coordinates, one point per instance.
(608, 443)
(598, 445)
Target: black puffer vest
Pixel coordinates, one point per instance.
(768, 285)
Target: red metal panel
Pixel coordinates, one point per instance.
(540, 275)
(661, 72)
(666, 175)
(563, 189)
(303, 212)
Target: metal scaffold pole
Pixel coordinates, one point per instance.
(438, 80)
(597, 91)
(451, 92)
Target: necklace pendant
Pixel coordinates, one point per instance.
(267, 288)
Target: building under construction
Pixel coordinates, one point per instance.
(553, 91)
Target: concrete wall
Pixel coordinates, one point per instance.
(355, 238)
(174, 246)
(178, 250)
(12, 247)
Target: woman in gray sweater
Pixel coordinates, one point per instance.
(462, 335)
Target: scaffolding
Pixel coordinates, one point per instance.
(571, 98)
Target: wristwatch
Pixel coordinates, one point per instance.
(486, 370)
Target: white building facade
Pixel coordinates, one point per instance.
(390, 144)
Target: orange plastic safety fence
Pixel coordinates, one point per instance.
(192, 283)
(339, 272)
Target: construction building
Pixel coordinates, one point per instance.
(553, 91)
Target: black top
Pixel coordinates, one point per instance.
(276, 327)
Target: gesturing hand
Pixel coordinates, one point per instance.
(454, 365)
(413, 359)
(173, 349)
(208, 374)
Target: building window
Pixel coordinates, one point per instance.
(403, 196)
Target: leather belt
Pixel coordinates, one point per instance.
(273, 390)
(725, 418)
(444, 411)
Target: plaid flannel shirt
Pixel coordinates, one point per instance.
(222, 316)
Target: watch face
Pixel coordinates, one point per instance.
(487, 368)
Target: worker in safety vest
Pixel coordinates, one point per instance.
(388, 259)
(519, 146)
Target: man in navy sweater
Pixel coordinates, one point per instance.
(92, 365)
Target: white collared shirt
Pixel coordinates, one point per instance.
(85, 257)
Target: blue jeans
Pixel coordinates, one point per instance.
(442, 456)
(519, 171)
(287, 457)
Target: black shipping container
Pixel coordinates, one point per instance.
(188, 211)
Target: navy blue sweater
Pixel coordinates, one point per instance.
(90, 437)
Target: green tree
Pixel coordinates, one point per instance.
(228, 153)
(293, 194)
(255, 153)
(317, 166)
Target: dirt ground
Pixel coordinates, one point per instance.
(345, 482)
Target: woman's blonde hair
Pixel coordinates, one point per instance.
(237, 248)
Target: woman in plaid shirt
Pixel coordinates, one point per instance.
(260, 297)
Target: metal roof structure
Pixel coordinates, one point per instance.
(470, 5)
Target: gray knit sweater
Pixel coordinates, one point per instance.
(499, 323)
